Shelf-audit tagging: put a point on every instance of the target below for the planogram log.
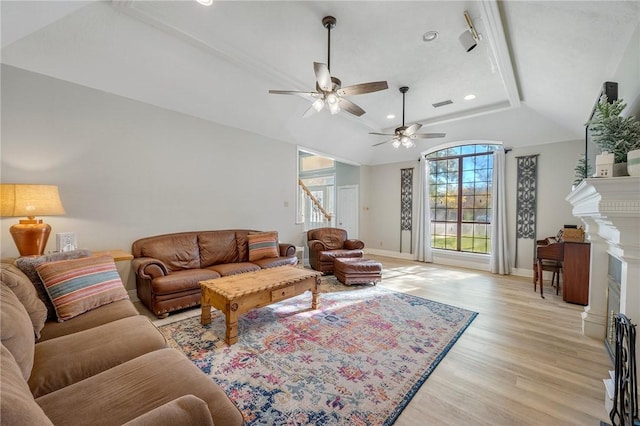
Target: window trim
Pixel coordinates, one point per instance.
(459, 222)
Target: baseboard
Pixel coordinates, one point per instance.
(389, 253)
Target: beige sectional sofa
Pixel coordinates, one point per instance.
(106, 366)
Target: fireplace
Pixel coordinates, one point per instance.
(613, 303)
(609, 208)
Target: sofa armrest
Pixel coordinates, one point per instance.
(186, 410)
(287, 249)
(354, 245)
(316, 245)
(149, 268)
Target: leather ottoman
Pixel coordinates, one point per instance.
(357, 270)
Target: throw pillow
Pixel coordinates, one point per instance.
(262, 245)
(80, 285)
(28, 266)
(19, 283)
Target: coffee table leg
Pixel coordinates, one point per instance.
(231, 316)
(205, 317)
(314, 294)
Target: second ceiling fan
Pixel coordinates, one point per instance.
(403, 135)
(329, 92)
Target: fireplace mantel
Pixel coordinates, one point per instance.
(610, 211)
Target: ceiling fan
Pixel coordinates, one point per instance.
(403, 135)
(329, 92)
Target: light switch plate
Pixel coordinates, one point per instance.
(66, 241)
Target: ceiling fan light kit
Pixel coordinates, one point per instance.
(404, 135)
(329, 91)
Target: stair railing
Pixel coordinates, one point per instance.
(316, 204)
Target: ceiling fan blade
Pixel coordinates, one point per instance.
(382, 143)
(359, 89)
(428, 135)
(309, 112)
(293, 92)
(323, 77)
(381, 134)
(412, 129)
(350, 107)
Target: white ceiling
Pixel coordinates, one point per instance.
(536, 71)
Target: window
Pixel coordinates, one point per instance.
(460, 198)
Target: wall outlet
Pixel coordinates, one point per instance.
(66, 241)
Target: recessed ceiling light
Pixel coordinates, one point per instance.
(390, 116)
(430, 36)
(205, 2)
(469, 97)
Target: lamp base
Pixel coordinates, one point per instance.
(30, 236)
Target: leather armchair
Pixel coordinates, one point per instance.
(325, 244)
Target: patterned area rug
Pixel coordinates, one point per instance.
(358, 360)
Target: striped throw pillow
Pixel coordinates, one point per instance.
(262, 245)
(80, 285)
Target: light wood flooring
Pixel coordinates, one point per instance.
(523, 360)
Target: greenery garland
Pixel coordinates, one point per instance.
(613, 133)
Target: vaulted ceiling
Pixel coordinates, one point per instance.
(535, 73)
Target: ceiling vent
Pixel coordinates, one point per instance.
(443, 103)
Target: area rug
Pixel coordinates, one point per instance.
(357, 360)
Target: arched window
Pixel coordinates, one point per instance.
(460, 181)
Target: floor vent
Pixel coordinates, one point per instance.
(443, 103)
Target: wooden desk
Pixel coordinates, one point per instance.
(575, 258)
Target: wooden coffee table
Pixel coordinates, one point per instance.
(237, 294)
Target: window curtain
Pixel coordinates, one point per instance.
(423, 224)
(499, 259)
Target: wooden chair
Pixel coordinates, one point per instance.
(549, 255)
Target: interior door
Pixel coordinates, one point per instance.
(347, 209)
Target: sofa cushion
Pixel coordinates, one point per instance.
(80, 285)
(16, 331)
(241, 242)
(176, 251)
(270, 262)
(262, 245)
(105, 314)
(333, 238)
(17, 404)
(329, 255)
(68, 359)
(217, 247)
(28, 266)
(179, 281)
(234, 268)
(20, 284)
(129, 390)
(186, 410)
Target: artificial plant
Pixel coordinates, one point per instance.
(612, 132)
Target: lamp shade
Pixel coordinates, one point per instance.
(30, 200)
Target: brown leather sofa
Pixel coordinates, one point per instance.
(169, 267)
(107, 366)
(325, 244)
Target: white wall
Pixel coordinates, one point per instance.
(382, 208)
(556, 163)
(126, 170)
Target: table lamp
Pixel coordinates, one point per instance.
(30, 235)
